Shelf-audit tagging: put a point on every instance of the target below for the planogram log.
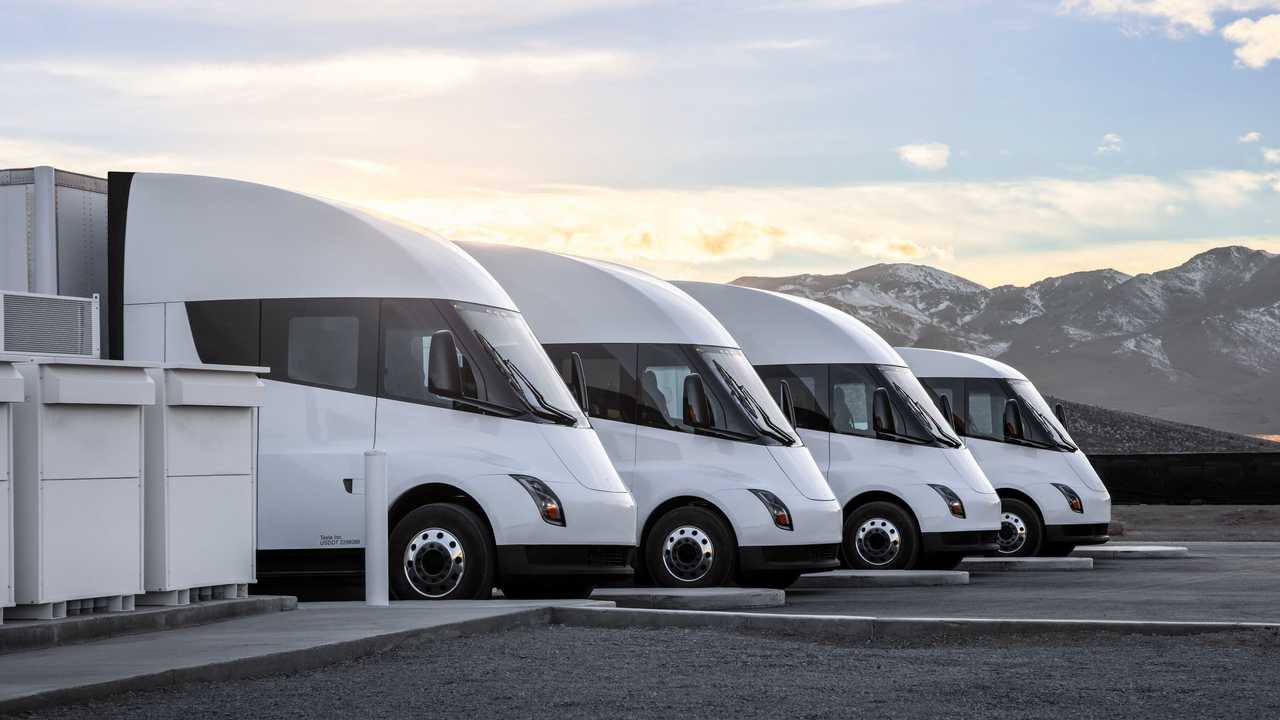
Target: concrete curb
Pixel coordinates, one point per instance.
(1131, 552)
(32, 634)
(827, 627)
(1025, 564)
(276, 663)
(692, 598)
(880, 578)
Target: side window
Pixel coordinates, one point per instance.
(225, 332)
(984, 417)
(407, 328)
(852, 390)
(611, 377)
(325, 342)
(953, 390)
(809, 392)
(663, 369)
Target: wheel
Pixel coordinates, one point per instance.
(1021, 531)
(542, 588)
(689, 547)
(776, 579)
(1056, 549)
(940, 561)
(881, 536)
(442, 552)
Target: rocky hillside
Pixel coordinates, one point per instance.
(1198, 343)
(1099, 430)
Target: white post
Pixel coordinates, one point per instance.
(375, 529)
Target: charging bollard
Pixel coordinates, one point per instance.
(375, 529)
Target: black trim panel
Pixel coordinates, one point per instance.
(577, 560)
(119, 185)
(965, 541)
(1077, 534)
(799, 558)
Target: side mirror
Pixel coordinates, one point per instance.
(578, 380)
(444, 377)
(1061, 413)
(944, 404)
(1012, 420)
(786, 403)
(882, 412)
(697, 409)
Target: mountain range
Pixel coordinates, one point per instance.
(1198, 343)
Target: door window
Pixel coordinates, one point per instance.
(985, 414)
(407, 329)
(852, 390)
(325, 342)
(610, 371)
(809, 392)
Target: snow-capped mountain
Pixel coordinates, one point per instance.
(1198, 343)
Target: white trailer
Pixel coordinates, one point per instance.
(1052, 499)
(913, 497)
(723, 485)
(377, 336)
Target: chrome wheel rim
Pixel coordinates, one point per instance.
(878, 541)
(1013, 534)
(434, 562)
(688, 553)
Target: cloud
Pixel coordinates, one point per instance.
(1176, 16)
(832, 4)
(1251, 137)
(1258, 41)
(1111, 143)
(795, 44)
(368, 167)
(926, 156)
(383, 74)
(1271, 155)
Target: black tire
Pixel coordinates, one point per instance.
(774, 579)
(1018, 518)
(888, 523)
(473, 553)
(705, 532)
(940, 561)
(545, 588)
(1056, 549)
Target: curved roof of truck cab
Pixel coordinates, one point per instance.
(569, 299)
(778, 329)
(202, 238)
(949, 364)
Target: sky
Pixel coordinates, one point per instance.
(1003, 140)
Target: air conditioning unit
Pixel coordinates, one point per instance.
(49, 325)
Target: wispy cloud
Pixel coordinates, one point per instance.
(932, 156)
(1251, 137)
(792, 44)
(1176, 16)
(1257, 41)
(1271, 155)
(1111, 143)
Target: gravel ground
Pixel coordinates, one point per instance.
(565, 673)
(1102, 430)
(1185, 523)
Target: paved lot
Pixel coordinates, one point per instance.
(1199, 522)
(568, 673)
(1218, 582)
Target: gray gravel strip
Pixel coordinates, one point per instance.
(567, 672)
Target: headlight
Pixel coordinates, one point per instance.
(544, 497)
(777, 509)
(951, 499)
(1077, 505)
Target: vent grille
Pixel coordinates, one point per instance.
(49, 325)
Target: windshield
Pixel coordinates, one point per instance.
(737, 376)
(1041, 414)
(513, 348)
(911, 397)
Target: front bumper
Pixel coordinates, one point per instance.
(793, 558)
(1077, 534)
(969, 542)
(577, 560)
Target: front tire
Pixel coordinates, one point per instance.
(880, 536)
(442, 551)
(690, 547)
(1021, 531)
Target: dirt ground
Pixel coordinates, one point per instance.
(1259, 523)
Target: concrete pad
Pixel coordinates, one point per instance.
(880, 578)
(1014, 564)
(1131, 552)
(722, 598)
(315, 634)
(30, 634)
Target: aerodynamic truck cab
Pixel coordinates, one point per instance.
(912, 495)
(723, 485)
(376, 336)
(1052, 499)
